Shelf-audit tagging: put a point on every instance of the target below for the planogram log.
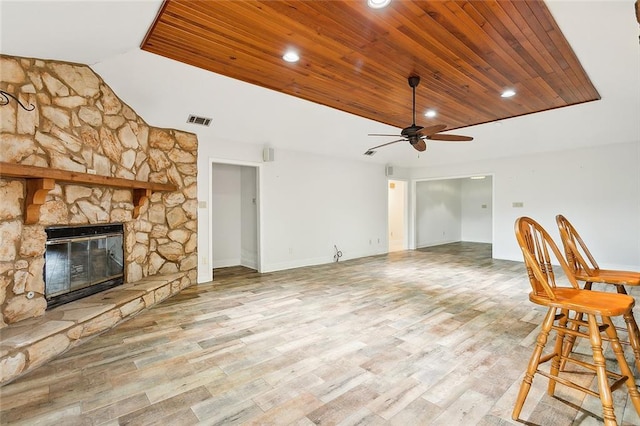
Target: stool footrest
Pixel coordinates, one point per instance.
(615, 385)
(568, 383)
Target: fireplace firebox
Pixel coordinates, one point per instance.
(82, 260)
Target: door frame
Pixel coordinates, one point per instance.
(258, 167)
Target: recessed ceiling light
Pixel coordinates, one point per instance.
(378, 4)
(477, 177)
(430, 113)
(291, 56)
(508, 93)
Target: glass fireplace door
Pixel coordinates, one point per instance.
(73, 264)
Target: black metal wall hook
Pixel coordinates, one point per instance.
(338, 254)
(4, 100)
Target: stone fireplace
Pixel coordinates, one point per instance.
(96, 163)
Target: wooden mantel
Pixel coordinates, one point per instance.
(40, 180)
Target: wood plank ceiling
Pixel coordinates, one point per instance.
(357, 59)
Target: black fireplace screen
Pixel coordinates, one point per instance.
(82, 260)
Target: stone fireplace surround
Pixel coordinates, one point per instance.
(79, 125)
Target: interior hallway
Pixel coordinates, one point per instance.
(436, 336)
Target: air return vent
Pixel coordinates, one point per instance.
(203, 121)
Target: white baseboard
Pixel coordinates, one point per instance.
(224, 263)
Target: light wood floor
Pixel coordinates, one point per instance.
(437, 336)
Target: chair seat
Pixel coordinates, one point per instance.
(586, 301)
(610, 277)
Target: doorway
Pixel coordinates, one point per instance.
(234, 217)
(453, 210)
(397, 204)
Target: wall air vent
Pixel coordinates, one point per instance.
(203, 121)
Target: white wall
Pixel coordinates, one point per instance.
(476, 205)
(311, 203)
(597, 188)
(438, 212)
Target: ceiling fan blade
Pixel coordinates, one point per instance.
(432, 129)
(420, 145)
(385, 144)
(450, 138)
(381, 134)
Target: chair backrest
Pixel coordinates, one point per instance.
(537, 247)
(578, 255)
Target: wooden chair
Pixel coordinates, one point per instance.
(563, 303)
(585, 268)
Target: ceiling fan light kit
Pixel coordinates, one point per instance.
(417, 135)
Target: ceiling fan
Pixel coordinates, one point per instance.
(416, 135)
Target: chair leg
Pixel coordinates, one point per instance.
(541, 341)
(557, 363)
(632, 328)
(606, 398)
(625, 370)
(571, 339)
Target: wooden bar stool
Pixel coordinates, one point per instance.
(564, 304)
(585, 268)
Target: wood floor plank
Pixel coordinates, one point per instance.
(436, 336)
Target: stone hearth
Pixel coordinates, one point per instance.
(74, 122)
(30, 343)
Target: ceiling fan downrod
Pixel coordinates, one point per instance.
(414, 80)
